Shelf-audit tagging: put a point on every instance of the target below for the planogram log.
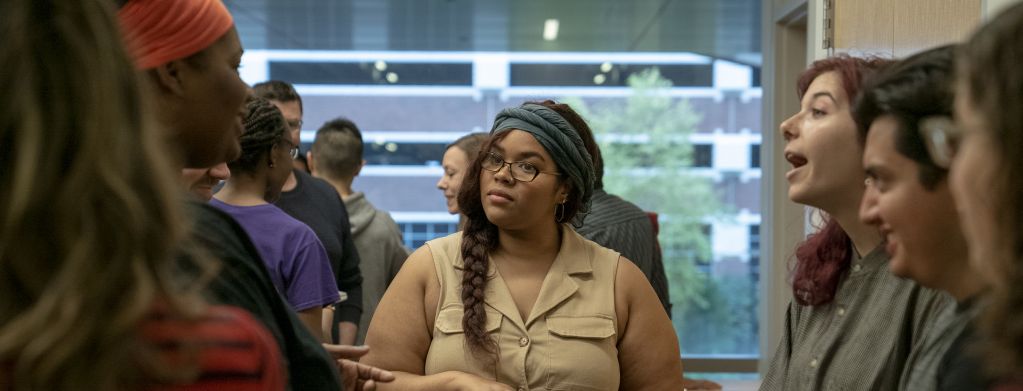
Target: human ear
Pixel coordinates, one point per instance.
(168, 77)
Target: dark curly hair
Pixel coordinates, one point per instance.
(911, 90)
(479, 236)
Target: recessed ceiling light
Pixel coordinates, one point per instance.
(550, 29)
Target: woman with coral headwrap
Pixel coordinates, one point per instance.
(189, 52)
(518, 299)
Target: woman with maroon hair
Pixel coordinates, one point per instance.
(852, 323)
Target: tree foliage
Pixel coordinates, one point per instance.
(648, 160)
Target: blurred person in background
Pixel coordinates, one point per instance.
(297, 261)
(455, 162)
(986, 178)
(317, 204)
(908, 199)
(336, 157)
(619, 224)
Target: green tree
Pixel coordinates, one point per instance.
(648, 160)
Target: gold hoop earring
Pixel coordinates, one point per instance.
(559, 212)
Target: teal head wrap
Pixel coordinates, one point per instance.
(558, 137)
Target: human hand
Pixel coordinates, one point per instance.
(699, 385)
(355, 376)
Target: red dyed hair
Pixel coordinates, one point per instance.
(825, 255)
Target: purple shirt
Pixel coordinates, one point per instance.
(297, 262)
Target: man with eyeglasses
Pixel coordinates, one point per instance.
(317, 204)
(908, 199)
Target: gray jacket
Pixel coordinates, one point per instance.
(381, 253)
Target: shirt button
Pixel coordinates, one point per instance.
(856, 267)
(523, 341)
(841, 311)
(813, 363)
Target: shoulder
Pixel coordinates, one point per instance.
(317, 185)
(614, 219)
(207, 217)
(294, 230)
(382, 222)
(448, 247)
(228, 336)
(419, 268)
(217, 230)
(628, 279)
(286, 222)
(609, 207)
(597, 253)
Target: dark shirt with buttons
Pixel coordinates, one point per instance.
(860, 340)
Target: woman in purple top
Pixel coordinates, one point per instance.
(297, 262)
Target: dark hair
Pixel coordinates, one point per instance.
(825, 255)
(338, 148)
(479, 238)
(910, 90)
(264, 128)
(277, 90)
(470, 144)
(989, 69)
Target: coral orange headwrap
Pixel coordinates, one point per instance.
(159, 31)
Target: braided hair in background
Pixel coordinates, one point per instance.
(264, 127)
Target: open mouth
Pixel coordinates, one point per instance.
(795, 159)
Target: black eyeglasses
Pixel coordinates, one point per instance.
(942, 138)
(520, 171)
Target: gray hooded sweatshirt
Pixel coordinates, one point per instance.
(381, 253)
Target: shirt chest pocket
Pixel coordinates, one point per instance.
(449, 320)
(583, 353)
(448, 350)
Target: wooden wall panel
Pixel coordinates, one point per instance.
(921, 24)
(898, 28)
(865, 26)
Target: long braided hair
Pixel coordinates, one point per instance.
(264, 128)
(479, 237)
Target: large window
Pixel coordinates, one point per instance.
(672, 90)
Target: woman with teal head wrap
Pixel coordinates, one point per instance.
(518, 299)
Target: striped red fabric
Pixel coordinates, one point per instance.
(235, 353)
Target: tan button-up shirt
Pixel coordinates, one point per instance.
(568, 342)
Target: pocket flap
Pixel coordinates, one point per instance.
(581, 326)
(449, 320)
